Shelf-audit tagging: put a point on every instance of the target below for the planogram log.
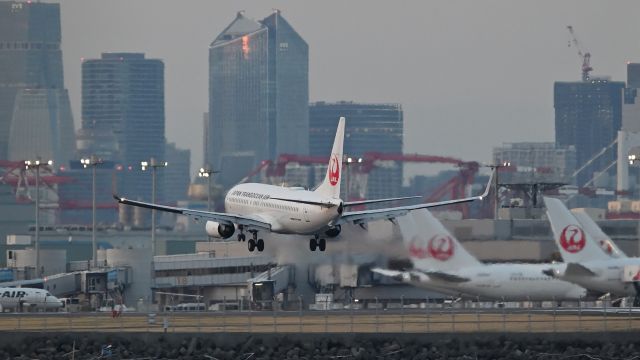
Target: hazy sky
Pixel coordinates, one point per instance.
(470, 75)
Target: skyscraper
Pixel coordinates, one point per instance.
(34, 106)
(123, 99)
(258, 95)
(369, 128)
(588, 115)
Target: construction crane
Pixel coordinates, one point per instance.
(583, 53)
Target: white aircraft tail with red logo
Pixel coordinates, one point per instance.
(606, 244)
(430, 245)
(575, 244)
(330, 187)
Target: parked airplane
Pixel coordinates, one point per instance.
(21, 299)
(260, 207)
(597, 266)
(602, 239)
(442, 264)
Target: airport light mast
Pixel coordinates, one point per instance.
(36, 164)
(93, 162)
(154, 165)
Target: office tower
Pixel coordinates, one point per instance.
(123, 99)
(177, 176)
(258, 95)
(34, 106)
(369, 128)
(631, 107)
(588, 115)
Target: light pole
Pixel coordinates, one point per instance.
(153, 164)
(350, 161)
(36, 164)
(93, 161)
(207, 172)
(496, 184)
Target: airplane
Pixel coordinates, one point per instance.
(596, 265)
(442, 264)
(27, 298)
(254, 207)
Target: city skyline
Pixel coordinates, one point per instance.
(486, 66)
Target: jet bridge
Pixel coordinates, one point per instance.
(263, 289)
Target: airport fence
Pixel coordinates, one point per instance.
(423, 318)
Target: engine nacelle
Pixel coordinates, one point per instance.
(333, 231)
(220, 231)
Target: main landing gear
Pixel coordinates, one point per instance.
(254, 242)
(316, 242)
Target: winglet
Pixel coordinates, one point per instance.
(118, 198)
(488, 188)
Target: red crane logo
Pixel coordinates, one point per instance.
(606, 246)
(440, 247)
(572, 239)
(334, 170)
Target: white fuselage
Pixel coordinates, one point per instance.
(285, 217)
(12, 298)
(508, 282)
(608, 278)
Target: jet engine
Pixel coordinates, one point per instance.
(220, 231)
(333, 231)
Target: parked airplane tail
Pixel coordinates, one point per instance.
(430, 245)
(330, 187)
(602, 239)
(574, 243)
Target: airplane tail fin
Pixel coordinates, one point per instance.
(574, 243)
(602, 239)
(430, 245)
(330, 187)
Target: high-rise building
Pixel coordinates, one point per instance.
(123, 100)
(177, 175)
(588, 115)
(258, 95)
(369, 128)
(34, 105)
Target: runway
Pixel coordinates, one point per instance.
(409, 321)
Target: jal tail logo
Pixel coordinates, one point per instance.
(572, 239)
(440, 247)
(606, 246)
(334, 170)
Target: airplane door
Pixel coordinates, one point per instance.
(305, 211)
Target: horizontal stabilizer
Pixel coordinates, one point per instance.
(446, 277)
(575, 269)
(395, 274)
(375, 201)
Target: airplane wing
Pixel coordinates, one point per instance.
(364, 216)
(223, 218)
(575, 269)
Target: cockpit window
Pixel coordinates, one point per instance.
(48, 294)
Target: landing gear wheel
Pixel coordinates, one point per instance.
(322, 244)
(241, 237)
(312, 244)
(260, 245)
(251, 245)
